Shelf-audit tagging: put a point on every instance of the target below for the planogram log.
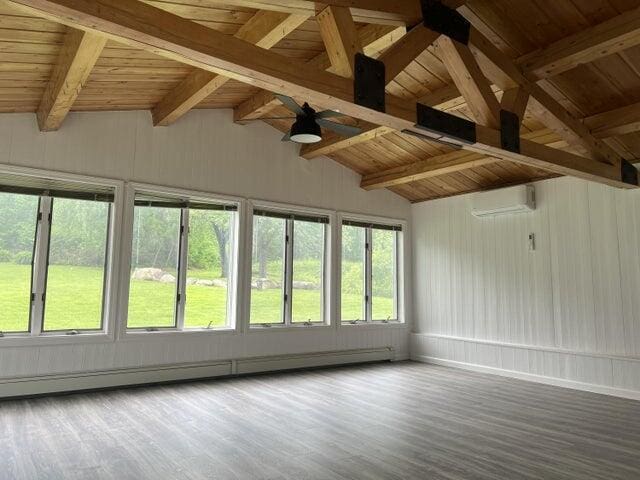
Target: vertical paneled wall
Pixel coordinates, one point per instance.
(568, 310)
(205, 151)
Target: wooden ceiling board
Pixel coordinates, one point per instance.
(126, 78)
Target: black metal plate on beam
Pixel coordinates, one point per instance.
(509, 131)
(444, 20)
(629, 173)
(445, 125)
(369, 83)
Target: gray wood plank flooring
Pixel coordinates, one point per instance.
(385, 421)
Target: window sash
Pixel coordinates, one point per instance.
(180, 301)
(50, 220)
(368, 274)
(287, 299)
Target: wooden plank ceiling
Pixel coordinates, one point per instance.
(600, 87)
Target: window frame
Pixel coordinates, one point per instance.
(36, 335)
(289, 231)
(132, 333)
(399, 270)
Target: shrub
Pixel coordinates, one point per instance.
(5, 255)
(22, 258)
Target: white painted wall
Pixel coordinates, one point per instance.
(205, 152)
(568, 311)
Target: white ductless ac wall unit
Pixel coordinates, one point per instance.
(518, 199)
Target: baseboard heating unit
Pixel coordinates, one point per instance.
(80, 381)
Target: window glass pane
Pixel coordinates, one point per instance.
(267, 270)
(75, 275)
(154, 267)
(353, 268)
(308, 253)
(208, 274)
(18, 220)
(383, 281)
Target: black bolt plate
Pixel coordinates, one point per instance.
(629, 173)
(444, 20)
(509, 131)
(445, 125)
(369, 83)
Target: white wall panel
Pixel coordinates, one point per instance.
(568, 310)
(204, 151)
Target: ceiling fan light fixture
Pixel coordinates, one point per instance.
(305, 130)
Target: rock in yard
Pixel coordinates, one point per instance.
(305, 286)
(151, 274)
(167, 278)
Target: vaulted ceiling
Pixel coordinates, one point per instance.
(573, 69)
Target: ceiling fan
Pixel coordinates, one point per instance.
(306, 128)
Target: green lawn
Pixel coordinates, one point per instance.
(74, 301)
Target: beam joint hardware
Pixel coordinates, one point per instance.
(443, 127)
(369, 83)
(509, 131)
(628, 173)
(446, 21)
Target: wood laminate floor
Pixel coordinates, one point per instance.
(384, 421)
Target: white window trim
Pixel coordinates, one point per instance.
(328, 279)
(401, 271)
(234, 309)
(110, 309)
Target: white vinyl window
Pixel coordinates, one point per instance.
(369, 272)
(182, 258)
(288, 279)
(54, 256)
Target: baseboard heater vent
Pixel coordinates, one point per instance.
(310, 360)
(47, 384)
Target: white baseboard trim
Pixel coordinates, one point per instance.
(47, 384)
(558, 382)
(609, 356)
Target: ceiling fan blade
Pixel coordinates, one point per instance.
(344, 130)
(329, 114)
(286, 138)
(290, 103)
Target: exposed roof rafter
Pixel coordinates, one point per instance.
(77, 58)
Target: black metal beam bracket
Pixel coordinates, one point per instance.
(369, 83)
(509, 131)
(628, 172)
(445, 20)
(444, 127)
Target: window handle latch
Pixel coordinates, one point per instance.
(73, 332)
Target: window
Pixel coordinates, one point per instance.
(288, 268)
(54, 250)
(369, 276)
(183, 253)
(18, 223)
(77, 264)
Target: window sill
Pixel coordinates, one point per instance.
(284, 328)
(390, 324)
(54, 339)
(140, 334)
